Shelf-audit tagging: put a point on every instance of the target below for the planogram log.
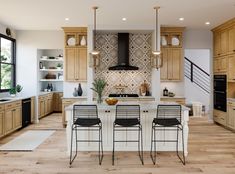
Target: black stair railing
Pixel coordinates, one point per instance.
(197, 75)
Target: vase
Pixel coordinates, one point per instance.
(99, 98)
(75, 92)
(79, 90)
(83, 41)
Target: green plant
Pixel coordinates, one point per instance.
(59, 65)
(12, 91)
(18, 88)
(98, 86)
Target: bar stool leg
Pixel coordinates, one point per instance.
(71, 147)
(142, 152)
(100, 145)
(113, 144)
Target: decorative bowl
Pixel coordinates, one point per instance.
(111, 101)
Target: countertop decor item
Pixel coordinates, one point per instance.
(79, 89)
(165, 92)
(83, 41)
(144, 89)
(71, 41)
(75, 92)
(171, 94)
(98, 86)
(111, 101)
(14, 90)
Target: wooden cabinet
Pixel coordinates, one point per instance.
(180, 101)
(75, 55)
(231, 40)
(171, 48)
(220, 117)
(45, 105)
(76, 64)
(231, 115)
(220, 64)
(220, 43)
(13, 116)
(57, 101)
(231, 68)
(2, 123)
(32, 109)
(172, 64)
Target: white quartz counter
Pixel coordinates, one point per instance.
(12, 99)
(176, 97)
(107, 115)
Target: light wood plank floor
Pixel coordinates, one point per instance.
(211, 151)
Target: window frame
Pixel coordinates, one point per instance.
(13, 61)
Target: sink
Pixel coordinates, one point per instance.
(3, 100)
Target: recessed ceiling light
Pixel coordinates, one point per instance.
(181, 19)
(207, 23)
(124, 19)
(67, 19)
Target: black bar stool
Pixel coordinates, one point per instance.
(85, 118)
(168, 116)
(128, 116)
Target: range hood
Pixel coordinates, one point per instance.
(123, 54)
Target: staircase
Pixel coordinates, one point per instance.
(197, 75)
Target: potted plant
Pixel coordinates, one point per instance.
(14, 90)
(98, 86)
(59, 66)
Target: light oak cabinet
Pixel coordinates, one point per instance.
(220, 43)
(231, 40)
(171, 48)
(220, 64)
(32, 109)
(76, 64)
(13, 116)
(172, 64)
(57, 101)
(231, 68)
(231, 115)
(180, 101)
(45, 105)
(1, 123)
(75, 54)
(220, 117)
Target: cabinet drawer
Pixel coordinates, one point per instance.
(13, 104)
(220, 117)
(231, 103)
(1, 107)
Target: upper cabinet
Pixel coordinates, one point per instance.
(224, 49)
(171, 48)
(75, 53)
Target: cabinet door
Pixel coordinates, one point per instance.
(163, 69)
(17, 118)
(176, 64)
(216, 65)
(41, 109)
(230, 118)
(231, 68)
(1, 123)
(216, 44)
(81, 68)
(231, 40)
(32, 109)
(8, 121)
(46, 108)
(70, 63)
(223, 64)
(224, 42)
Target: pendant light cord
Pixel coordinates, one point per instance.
(94, 40)
(156, 31)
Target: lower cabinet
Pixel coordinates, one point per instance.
(180, 101)
(45, 105)
(57, 101)
(231, 115)
(220, 117)
(8, 121)
(32, 109)
(1, 123)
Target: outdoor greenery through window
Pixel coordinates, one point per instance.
(7, 64)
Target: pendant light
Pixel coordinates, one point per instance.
(156, 60)
(95, 54)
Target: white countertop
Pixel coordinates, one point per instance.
(151, 105)
(44, 93)
(230, 99)
(12, 99)
(78, 97)
(172, 97)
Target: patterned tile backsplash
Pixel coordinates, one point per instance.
(139, 50)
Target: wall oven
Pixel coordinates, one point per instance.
(220, 92)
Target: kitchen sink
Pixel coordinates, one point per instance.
(3, 100)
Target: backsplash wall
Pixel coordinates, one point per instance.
(139, 50)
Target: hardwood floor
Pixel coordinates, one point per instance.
(211, 151)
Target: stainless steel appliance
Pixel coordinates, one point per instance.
(220, 92)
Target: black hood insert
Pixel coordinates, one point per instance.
(123, 54)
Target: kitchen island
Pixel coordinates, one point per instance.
(107, 115)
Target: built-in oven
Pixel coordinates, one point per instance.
(220, 92)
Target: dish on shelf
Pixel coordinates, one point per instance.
(175, 41)
(71, 41)
(163, 41)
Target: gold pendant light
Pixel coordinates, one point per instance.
(95, 54)
(156, 57)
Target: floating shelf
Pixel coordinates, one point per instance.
(51, 80)
(52, 60)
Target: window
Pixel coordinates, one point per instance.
(7, 62)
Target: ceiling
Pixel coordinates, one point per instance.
(51, 14)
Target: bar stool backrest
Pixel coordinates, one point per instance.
(169, 111)
(127, 111)
(84, 111)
